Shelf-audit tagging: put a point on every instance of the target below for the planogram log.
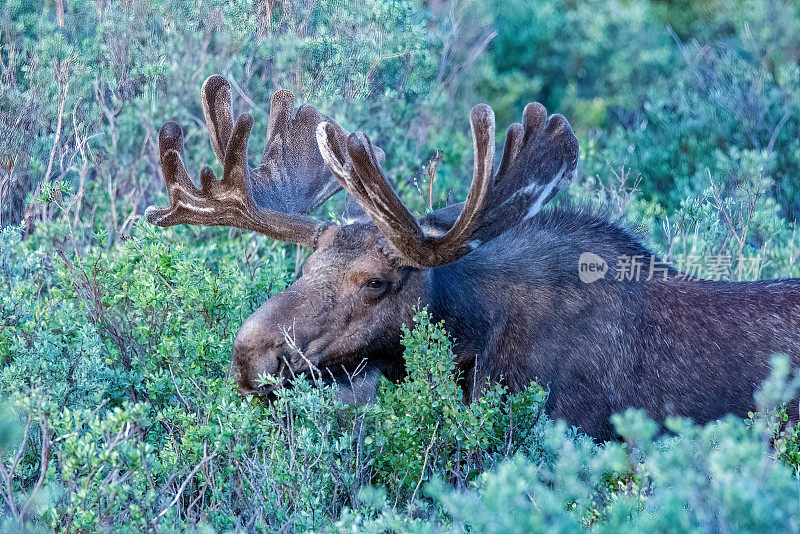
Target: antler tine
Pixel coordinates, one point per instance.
(357, 167)
(218, 112)
(457, 241)
(383, 204)
(397, 223)
(280, 115)
(235, 171)
(334, 149)
(288, 176)
(361, 175)
(540, 158)
(179, 185)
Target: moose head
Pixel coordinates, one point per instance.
(361, 282)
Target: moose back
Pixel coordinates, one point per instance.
(527, 294)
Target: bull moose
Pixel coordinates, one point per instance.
(501, 273)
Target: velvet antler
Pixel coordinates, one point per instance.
(274, 198)
(539, 159)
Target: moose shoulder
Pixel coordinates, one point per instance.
(528, 295)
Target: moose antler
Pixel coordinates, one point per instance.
(540, 159)
(273, 199)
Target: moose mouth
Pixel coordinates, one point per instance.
(285, 377)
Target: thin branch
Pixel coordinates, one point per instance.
(8, 475)
(425, 462)
(207, 458)
(246, 98)
(291, 341)
(44, 462)
(61, 103)
(774, 137)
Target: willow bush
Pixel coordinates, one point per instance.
(118, 411)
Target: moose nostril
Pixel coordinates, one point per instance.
(241, 359)
(238, 374)
(255, 354)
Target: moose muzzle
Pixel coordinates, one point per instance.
(271, 342)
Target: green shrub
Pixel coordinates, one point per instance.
(423, 428)
(115, 336)
(721, 477)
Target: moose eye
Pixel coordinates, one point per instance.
(375, 284)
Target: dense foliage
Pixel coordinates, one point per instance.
(115, 335)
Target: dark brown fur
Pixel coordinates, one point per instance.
(519, 313)
(501, 274)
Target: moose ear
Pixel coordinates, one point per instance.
(439, 222)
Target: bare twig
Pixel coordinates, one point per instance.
(61, 102)
(8, 474)
(425, 462)
(206, 458)
(292, 343)
(686, 57)
(774, 137)
(246, 98)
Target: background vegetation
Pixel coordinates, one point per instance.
(115, 335)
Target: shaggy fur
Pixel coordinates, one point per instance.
(502, 276)
(519, 312)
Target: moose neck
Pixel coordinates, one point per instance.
(504, 293)
(457, 297)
